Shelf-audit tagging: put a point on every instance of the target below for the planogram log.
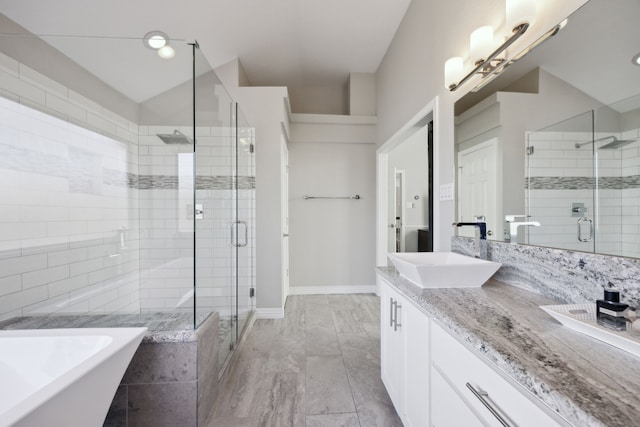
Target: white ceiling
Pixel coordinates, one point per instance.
(290, 43)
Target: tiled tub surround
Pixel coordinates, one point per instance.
(587, 382)
(68, 222)
(567, 276)
(172, 379)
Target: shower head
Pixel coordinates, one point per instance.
(176, 137)
(615, 143)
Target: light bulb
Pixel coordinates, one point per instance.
(481, 43)
(166, 52)
(453, 71)
(520, 12)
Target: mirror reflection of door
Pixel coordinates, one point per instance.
(477, 187)
(408, 193)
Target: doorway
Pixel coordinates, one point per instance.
(410, 191)
(422, 123)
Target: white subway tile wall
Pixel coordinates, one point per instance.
(96, 211)
(68, 232)
(560, 174)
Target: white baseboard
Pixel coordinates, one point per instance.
(328, 290)
(269, 313)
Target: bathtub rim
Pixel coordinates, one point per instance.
(121, 338)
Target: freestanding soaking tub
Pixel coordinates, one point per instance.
(62, 377)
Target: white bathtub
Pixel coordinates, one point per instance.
(62, 377)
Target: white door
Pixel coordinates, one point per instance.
(477, 188)
(284, 193)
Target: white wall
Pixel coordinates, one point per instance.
(332, 243)
(264, 108)
(411, 73)
(319, 99)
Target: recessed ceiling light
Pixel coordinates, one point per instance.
(636, 60)
(155, 40)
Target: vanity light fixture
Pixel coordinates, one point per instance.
(520, 14)
(636, 60)
(159, 41)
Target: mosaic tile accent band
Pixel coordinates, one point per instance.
(172, 182)
(81, 168)
(581, 182)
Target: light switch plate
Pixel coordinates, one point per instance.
(446, 192)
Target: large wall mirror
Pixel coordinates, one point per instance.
(555, 139)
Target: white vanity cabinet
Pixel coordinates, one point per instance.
(404, 353)
(467, 392)
(436, 381)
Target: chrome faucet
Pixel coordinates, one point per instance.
(480, 247)
(514, 223)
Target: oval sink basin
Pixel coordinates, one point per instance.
(443, 269)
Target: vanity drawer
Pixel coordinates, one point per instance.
(474, 382)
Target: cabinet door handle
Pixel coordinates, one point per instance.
(396, 325)
(391, 312)
(483, 397)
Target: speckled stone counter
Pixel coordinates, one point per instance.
(162, 327)
(587, 382)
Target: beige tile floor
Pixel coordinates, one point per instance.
(317, 367)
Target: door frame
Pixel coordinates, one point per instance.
(284, 217)
(382, 180)
(401, 174)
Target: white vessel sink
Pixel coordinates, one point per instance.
(443, 269)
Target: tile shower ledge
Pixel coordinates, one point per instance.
(587, 382)
(162, 327)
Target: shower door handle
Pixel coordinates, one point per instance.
(234, 240)
(580, 221)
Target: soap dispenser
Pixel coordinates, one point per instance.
(610, 312)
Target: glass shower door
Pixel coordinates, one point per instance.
(243, 166)
(224, 208)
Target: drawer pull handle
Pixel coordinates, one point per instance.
(396, 325)
(391, 304)
(483, 397)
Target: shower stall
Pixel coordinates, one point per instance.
(127, 184)
(583, 181)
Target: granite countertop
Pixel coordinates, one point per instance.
(587, 382)
(162, 327)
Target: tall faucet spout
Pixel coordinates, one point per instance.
(514, 223)
(480, 237)
(482, 227)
